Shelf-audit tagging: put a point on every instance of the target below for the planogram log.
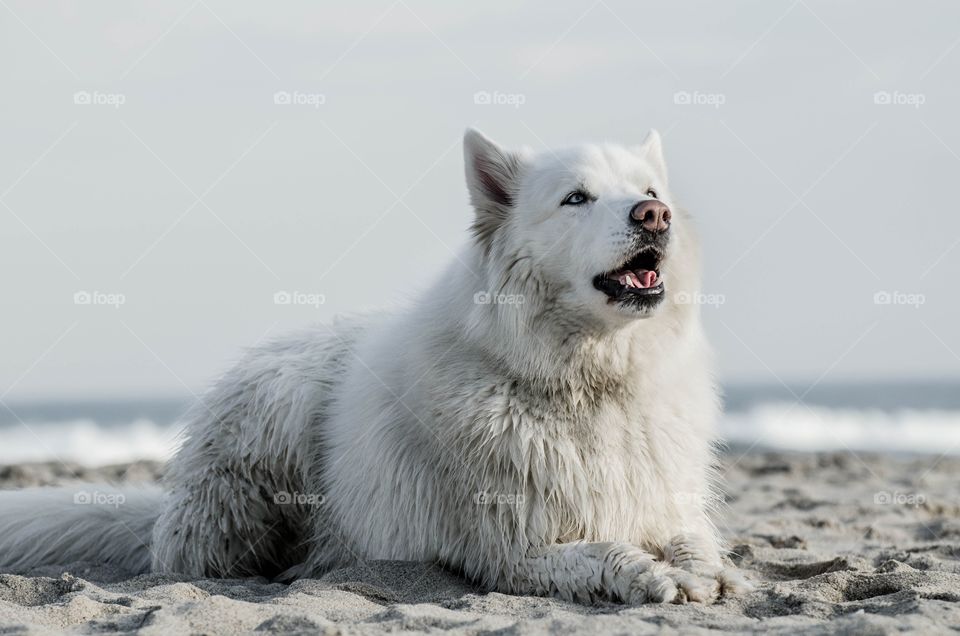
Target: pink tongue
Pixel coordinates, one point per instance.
(647, 278)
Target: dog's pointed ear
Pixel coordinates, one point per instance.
(492, 178)
(652, 150)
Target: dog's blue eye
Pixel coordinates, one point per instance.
(576, 197)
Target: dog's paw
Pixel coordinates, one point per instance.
(692, 554)
(730, 581)
(673, 585)
(733, 582)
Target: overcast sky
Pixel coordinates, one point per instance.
(184, 190)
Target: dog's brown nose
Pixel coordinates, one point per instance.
(652, 214)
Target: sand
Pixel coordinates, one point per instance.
(835, 543)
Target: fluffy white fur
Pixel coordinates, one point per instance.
(552, 443)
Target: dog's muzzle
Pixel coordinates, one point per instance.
(637, 283)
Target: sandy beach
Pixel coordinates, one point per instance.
(834, 542)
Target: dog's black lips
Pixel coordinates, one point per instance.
(646, 258)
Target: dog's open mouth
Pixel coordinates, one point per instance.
(636, 282)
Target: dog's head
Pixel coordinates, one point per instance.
(596, 223)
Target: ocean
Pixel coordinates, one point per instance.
(892, 417)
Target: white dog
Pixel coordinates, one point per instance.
(540, 421)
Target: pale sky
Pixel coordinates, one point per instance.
(184, 187)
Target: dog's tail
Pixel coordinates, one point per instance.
(83, 523)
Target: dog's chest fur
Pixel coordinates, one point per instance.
(619, 466)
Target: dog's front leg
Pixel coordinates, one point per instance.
(584, 572)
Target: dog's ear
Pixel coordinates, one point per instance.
(492, 178)
(652, 150)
